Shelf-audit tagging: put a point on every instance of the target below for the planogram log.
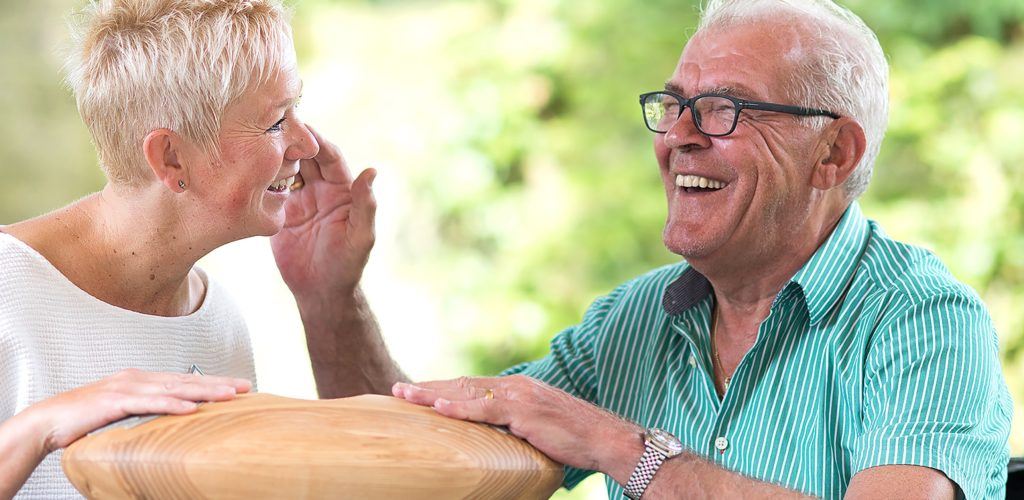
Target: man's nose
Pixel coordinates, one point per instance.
(684, 134)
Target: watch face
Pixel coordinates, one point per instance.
(665, 441)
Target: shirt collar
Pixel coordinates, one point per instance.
(823, 278)
(826, 276)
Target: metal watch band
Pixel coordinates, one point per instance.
(644, 472)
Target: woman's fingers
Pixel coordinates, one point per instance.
(70, 415)
(187, 390)
(150, 405)
(185, 387)
(239, 384)
(104, 409)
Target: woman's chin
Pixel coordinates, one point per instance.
(269, 224)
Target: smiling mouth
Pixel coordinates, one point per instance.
(698, 184)
(281, 185)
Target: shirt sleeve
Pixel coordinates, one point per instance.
(934, 393)
(569, 365)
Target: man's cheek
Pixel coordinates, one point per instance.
(661, 151)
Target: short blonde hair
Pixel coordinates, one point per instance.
(140, 65)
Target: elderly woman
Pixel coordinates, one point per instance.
(191, 106)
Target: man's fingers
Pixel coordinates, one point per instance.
(460, 389)
(425, 396)
(490, 411)
(478, 385)
(364, 207)
(332, 164)
(310, 171)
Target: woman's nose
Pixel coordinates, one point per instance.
(304, 145)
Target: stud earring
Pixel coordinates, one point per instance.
(181, 184)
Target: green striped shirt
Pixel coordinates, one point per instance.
(872, 354)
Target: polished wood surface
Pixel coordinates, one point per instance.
(264, 446)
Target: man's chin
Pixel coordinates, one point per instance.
(688, 244)
(687, 248)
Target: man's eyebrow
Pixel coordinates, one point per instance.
(732, 91)
(729, 90)
(673, 87)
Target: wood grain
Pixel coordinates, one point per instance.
(265, 446)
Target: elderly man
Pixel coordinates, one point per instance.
(797, 351)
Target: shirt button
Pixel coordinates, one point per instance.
(693, 360)
(721, 443)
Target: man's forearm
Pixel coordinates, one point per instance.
(685, 476)
(690, 476)
(346, 349)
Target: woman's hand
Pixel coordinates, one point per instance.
(64, 418)
(54, 423)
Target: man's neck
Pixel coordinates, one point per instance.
(745, 286)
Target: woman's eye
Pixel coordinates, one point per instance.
(277, 126)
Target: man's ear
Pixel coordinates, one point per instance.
(161, 148)
(844, 148)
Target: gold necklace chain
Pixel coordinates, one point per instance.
(714, 348)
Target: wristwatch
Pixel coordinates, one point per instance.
(659, 446)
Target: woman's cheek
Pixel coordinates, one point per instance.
(240, 199)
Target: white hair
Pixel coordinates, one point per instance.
(140, 65)
(844, 70)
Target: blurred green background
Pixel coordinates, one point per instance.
(517, 180)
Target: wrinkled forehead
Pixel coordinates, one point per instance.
(749, 60)
(264, 102)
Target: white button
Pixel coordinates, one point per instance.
(721, 443)
(693, 360)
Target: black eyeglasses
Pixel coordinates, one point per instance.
(715, 115)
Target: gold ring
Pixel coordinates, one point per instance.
(489, 394)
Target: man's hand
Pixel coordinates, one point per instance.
(321, 252)
(328, 230)
(569, 430)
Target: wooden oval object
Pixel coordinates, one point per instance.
(264, 446)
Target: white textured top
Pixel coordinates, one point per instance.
(55, 337)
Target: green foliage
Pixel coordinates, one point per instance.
(46, 159)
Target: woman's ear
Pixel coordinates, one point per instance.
(161, 149)
(843, 151)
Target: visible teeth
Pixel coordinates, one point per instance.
(282, 184)
(696, 181)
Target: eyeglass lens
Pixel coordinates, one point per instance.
(713, 115)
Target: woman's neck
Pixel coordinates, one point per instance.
(131, 249)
